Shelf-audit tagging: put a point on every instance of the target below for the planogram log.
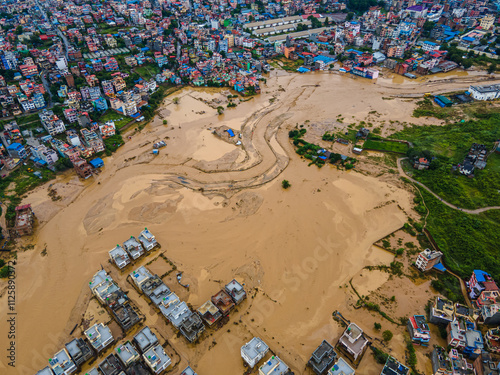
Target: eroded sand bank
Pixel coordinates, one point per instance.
(293, 248)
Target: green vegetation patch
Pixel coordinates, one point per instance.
(147, 71)
(468, 241)
(286, 64)
(449, 287)
(388, 146)
(112, 143)
(426, 108)
(119, 119)
(449, 145)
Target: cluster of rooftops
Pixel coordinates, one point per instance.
(144, 354)
(133, 249)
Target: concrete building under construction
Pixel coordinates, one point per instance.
(82, 168)
(24, 222)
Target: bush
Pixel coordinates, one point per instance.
(449, 287)
(387, 335)
(412, 358)
(379, 355)
(112, 143)
(285, 184)
(396, 268)
(4, 272)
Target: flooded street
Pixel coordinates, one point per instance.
(219, 212)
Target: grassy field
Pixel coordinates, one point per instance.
(428, 108)
(286, 64)
(350, 136)
(111, 115)
(106, 29)
(386, 146)
(147, 71)
(449, 144)
(468, 241)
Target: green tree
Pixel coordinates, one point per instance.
(426, 30)
(492, 68)
(377, 326)
(467, 63)
(285, 184)
(361, 5)
(19, 30)
(387, 335)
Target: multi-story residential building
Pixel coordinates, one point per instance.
(130, 61)
(38, 100)
(26, 104)
(490, 314)
(353, 341)
(100, 104)
(487, 22)
(462, 334)
(427, 259)
(480, 281)
(156, 359)
(9, 60)
(97, 65)
(487, 92)
(92, 140)
(442, 311)
(99, 336)
(107, 130)
(274, 366)
(107, 88)
(119, 83)
(74, 96)
(441, 363)
(111, 64)
(51, 122)
(17, 151)
(71, 115)
(44, 153)
(419, 330)
(28, 70)
(61, 363)
(253, 351)
(90, 93)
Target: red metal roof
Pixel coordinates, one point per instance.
(20, 208)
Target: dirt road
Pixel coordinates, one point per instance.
(474, 212)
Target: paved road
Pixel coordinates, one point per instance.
(475, 212)
(63, 37)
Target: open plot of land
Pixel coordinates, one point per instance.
(381, 145)
(147, 71)
(450, 144)
(160, 266)
(119, 119)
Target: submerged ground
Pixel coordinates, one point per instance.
(219, 212)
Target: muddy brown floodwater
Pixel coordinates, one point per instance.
(219, 212)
